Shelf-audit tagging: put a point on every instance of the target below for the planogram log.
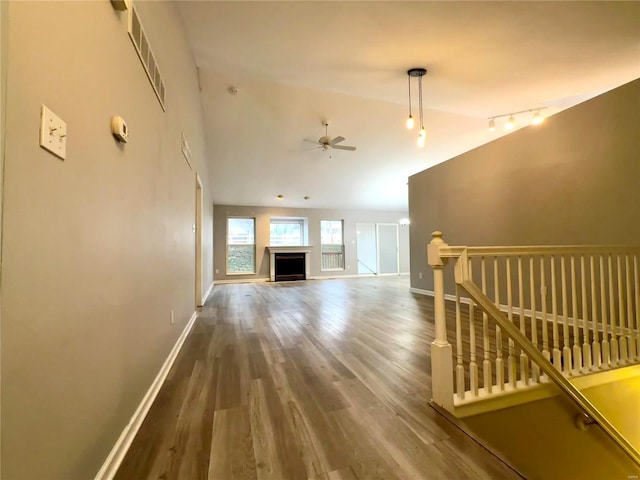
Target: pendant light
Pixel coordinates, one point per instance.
(419, 73)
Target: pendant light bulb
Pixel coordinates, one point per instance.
(511, 123)
(410, 122)
(421, 139)
(423, 133)
(537, 118)
(492, 124)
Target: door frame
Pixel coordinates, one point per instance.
(198, 242)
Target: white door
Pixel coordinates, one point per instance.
(388, 258)
(367, 248)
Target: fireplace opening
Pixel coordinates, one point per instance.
(289, 266)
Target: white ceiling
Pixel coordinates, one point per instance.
(296, 64)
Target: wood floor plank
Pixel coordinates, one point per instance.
(232, 456)
(306, 380)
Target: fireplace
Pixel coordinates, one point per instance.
(289, 267)
(293, 262)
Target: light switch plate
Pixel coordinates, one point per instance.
(53, 133)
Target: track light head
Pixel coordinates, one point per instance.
(492, 124)
(537, 118)
(511, 123)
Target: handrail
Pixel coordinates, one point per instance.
(545, 365)
(367, 267)
(474, 252)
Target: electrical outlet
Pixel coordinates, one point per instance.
(172, 319)
(217, 271)
(420, 275)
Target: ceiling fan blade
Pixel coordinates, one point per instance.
(312, 141)
(344, 147)
(336, 140)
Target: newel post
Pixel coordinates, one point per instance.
(441, 350)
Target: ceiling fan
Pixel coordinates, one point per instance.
(327, 143)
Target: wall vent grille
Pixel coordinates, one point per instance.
(140, 42)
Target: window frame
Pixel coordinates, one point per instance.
(234, 217)
(337, 269)
(303, 222)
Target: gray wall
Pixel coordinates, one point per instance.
(263, 215)
(98, 249)
(572, 180)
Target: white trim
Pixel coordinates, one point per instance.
(114, 459)
(420, 291)
(241, 280)
(331, 277)
(510, 396)
(207, 293)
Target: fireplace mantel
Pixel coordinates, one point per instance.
(306, 249)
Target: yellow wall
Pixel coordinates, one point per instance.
(619, 402)
(99, 248)
(541, 440)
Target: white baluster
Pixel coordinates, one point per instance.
(524, 360)
(473, 365)
(535, 369)
(606, 345)
(459, 364)
(622, 345)
(557, 357)
(566, 351)
(615, 357)
(543, 305)
(631, 341)
(499, 359)
(595, 346)
(511, 360)
(486, 364)
(577, 352)
(586, 348)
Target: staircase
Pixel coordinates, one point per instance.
(538, 330)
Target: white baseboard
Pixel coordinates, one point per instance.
(206, 294)
(333, 277)
(241, 280)
(119, 450)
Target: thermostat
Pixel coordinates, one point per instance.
(119, 129)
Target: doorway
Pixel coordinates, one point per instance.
(377, 248)
(198, 234)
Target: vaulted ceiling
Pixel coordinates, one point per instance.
(296, 64)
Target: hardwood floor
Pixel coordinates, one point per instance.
(321, 380)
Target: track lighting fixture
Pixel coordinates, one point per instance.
(537, 118)
(419, 73)
(511, 122)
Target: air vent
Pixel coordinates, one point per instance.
(140, 42)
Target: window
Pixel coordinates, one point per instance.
(287, 231)
(332, 245)
(241, 245)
